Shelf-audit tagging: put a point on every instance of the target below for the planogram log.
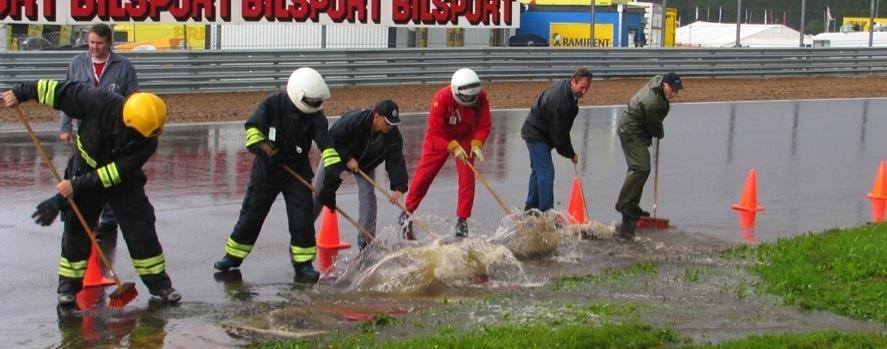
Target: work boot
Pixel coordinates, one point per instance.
(227, 262)
(406, 226)
(305, 273)
(67, 299)
(627, 230)
(640, 212)
(461, 228)
(167, 295)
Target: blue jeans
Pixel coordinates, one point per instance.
(540, 194)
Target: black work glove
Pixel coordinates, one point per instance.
(327, 197)
(47, 211)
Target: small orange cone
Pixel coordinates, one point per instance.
(746, 219)
(326, 258)
(576, 206)
(328, 236)
(878, 195)
(749, 199)
(94, 276)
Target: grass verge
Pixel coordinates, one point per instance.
(841, 270)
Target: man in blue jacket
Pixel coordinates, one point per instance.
(364, 139)
(548, 127)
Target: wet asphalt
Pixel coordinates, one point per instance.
(815, 162)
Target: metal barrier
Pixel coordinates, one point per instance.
(229, 71)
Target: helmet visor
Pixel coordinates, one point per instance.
(468, 93)
(312, 102)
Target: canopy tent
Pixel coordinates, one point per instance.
(707, 34)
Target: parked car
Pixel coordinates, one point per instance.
(34, 43)
(527, 39)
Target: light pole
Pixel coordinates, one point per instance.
(738, 20)
(591, 26)
(872, 23)
(664, 25)
(803, 13)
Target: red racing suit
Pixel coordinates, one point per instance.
(447, 121)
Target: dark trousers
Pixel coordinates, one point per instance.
(540, 192)
(136, 218)
(637, 157)
(265, 183)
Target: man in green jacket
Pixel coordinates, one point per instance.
(640, 122)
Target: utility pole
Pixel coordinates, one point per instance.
(664, 24)
(591, 42)
(872, 24)
(803, 16)
(738, 20)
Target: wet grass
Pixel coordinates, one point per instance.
(841, 270)
(814, 340)
(611, 275)
(540, 335)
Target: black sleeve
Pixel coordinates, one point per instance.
(124, 167)
(560, 125)
(75, 99)
(341, 134)
(395, 164)
(258, 124)
(654, 121)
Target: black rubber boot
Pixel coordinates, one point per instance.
(461, 228)
(406, 226)
(167, 295)
(305, 273)
(67, 299)
(227, 263)
(627, 231)
(640, 212)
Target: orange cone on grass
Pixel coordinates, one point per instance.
(94, 275)
(576, 206)
(328, 236)
(878, 195)
(749, 200)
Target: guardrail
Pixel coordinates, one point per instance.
(225, 71)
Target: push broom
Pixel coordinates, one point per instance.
(654, 222)
(125, 292)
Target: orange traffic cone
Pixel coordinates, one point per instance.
(326, 258)
(878, 195)
(576, 206)
(749, 199)
(328, 236)
(94, 276)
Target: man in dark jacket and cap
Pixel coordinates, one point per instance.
(548, 126)
(364, 139)
(640, 122)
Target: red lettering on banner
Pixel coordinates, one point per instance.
(376, 12)
(83, 10)
(139, 11)
(317, 7)
(225, 10)
(457, 9)
(49, 9)
(441, 12)
(251, 10)
(400, 11)
(344, 10)
(474, 15)
(16, 8)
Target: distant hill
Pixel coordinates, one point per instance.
(788, 9)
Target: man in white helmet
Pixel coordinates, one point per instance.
(458, 119)
(280, 133)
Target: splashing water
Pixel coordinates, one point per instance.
(428, 269)
(538, 234)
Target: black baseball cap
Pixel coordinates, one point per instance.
(673, 80)
(389, 110)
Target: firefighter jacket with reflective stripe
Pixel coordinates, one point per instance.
(646, 111)
(108, 152)
(353, 138)
(290, 131)
(551, 118)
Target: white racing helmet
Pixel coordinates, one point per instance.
(307, 90)
(466, 86)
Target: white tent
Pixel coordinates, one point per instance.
(851, 39)
(707, 34)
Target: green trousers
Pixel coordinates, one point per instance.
(637, 156)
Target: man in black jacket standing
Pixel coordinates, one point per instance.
(548, 126)
(364, 139)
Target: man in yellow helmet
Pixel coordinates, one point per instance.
(114, 140)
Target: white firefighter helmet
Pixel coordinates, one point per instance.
(465, 86)
(307, 90)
